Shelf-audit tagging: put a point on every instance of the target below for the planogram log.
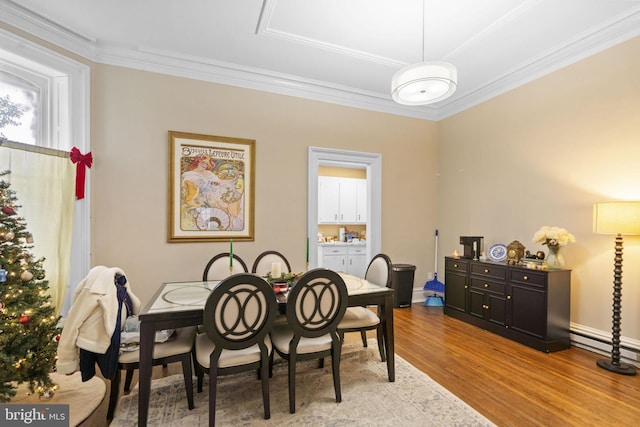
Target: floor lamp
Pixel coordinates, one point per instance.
(617, 218)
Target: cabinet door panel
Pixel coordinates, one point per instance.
(528, 312)
(357, 265)
(455, 291)
(361, 200)
(335, 262)
(497, 309)
(477, 304)
(328, 200)
(348, 213)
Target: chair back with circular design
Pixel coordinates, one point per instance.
(316, 303)
(263, 262)
(238, 316)
(218, 267)
(240, 312)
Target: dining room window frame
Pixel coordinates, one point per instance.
(62, 123)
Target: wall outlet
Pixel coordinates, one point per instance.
(429, 275)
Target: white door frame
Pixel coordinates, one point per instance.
(372, 162)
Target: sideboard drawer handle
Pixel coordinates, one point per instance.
(486, 270)
(455, 265)
(486, 285)
(526, 278)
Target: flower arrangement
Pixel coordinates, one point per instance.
(553, 236)
(288, 278)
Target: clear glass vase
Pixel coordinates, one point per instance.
(555, 260)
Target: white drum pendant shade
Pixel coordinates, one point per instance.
(424, 83)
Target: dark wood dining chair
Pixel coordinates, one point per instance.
(262, 264)
(315, 306)
(177, 349)
(218, 267)
(362, 319)
(238, 317)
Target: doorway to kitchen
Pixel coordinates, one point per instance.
(372, 164)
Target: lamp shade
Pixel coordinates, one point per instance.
(616, 218)
(424, 83)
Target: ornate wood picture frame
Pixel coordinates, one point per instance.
(211, 188)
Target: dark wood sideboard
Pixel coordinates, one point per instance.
(529, 306)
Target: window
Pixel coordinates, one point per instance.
(42, 84)
(49, 94)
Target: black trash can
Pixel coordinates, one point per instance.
(402, 283)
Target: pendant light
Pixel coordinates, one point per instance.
(425, 82)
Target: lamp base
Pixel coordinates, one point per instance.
(620, 368)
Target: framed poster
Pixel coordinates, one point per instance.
(211, 188)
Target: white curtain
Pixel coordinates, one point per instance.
(44, 183)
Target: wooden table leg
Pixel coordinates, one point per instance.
(387, 326)
(147, 334)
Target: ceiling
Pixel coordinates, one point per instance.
(338, 51)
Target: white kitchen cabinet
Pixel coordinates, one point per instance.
(349, 259)
(347, 204)
(342, 200)
(328, 200)
(357, 260)
(361, 200)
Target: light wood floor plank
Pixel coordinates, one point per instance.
(511, 384)
(507, 382)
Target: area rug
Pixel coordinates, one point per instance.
(368, 398)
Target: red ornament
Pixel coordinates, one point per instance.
(57, 337)
(8, 210)
(25, 319)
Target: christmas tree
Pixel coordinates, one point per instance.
(28, 332)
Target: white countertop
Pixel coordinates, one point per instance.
(360, 243)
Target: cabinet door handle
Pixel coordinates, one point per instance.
(526, 277)
(455, 265)
(466, 286)
(508, 296)
(486, 285)
(486, 270)
(486, 307)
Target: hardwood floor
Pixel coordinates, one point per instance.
(507, 382)
(511, 384)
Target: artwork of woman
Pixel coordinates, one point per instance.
(212, 194)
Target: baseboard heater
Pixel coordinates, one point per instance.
(602, 346)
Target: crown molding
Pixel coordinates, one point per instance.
(615, 32)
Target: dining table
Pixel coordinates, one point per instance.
(180, 304)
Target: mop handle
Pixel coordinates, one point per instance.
(435, 268)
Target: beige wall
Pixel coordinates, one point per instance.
(131, 114)
(543, 154)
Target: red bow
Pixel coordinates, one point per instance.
(82, 161)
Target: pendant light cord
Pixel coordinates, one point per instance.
(424, 9)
